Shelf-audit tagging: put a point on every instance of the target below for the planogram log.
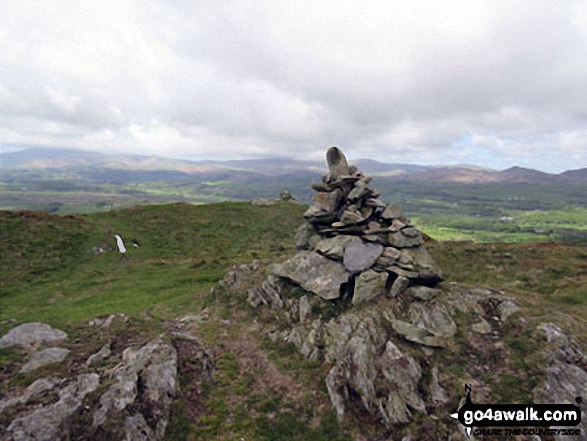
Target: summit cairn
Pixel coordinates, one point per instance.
(354, 246)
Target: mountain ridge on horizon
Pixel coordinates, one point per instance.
(73, 160)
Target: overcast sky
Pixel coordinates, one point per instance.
(482, 82)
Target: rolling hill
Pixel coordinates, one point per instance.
(100, 167)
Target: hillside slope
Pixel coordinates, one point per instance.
(255, 386)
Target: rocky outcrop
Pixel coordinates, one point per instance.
(387, 383)
(45, 424)
(566, 373)
(128, 400)
(37, 388)
(150, 371)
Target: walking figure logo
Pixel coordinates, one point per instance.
(468, 403)
(548, 417)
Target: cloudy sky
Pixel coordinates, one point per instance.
(490, 83)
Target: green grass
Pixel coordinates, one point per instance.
(49, 271)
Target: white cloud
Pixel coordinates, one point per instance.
(419, 81)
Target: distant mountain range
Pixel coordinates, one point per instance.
(100, 167)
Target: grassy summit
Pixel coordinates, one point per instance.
(50, 272)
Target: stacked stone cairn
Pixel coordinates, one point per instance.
(354, 246)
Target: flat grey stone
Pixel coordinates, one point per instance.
(31, 333)
(314, 273)
(44, 357)
(360, 256)
(388, 257)
(417, 335)
(402, 272)
(423, 292)
(333, 247)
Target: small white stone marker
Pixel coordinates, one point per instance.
(120, 244)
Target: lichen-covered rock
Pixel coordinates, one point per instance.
(406, 238)
(102, 354)
(37, 388)
(340, 330)
(31, 333)
(324, 207)
(354, 370)
(369, 285)
(314, 273)
(436, 392)
(239, 274)
(417, 335)
(44, 424)
(304, 235)
(305, 309)
(360, 256)
(308, 339)
(506, 309)
(156, 364)
(268, 293)
(386, 383)
(481, 327)
(45, 357)
(566, 372)
(137, 429)
(433, 317)
(402, 374)
(400, 284)
(420, 261)
(422, 292)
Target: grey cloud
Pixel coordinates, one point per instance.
(393, 80)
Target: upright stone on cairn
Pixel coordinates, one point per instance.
(337, 163)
